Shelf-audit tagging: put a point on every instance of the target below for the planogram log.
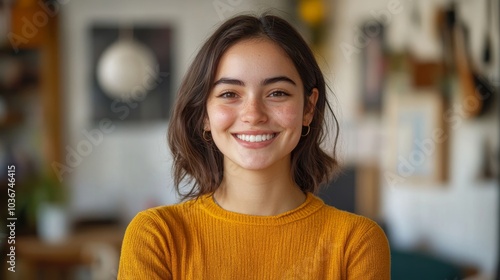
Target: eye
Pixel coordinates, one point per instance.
(278, 93)
(227, 94)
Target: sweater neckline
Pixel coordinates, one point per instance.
(307, 208)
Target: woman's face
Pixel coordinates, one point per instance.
(256, 106)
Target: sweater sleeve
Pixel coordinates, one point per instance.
(371, 257)
(144, 253)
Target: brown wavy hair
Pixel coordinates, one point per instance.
(198, 163)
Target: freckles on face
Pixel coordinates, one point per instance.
(289, 115)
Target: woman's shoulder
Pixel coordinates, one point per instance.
(162, 219)
(169, 213)
(352, 230)
(346, 221)
(346, 216)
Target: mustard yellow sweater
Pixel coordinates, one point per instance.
(199, 240)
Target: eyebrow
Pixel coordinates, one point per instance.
(230, 81)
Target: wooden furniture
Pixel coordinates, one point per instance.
(34, 26)
(40, 260)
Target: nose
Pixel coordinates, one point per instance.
(253, 111)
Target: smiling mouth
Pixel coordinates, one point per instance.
(256, 138)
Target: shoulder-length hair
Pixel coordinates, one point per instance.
(198, 162)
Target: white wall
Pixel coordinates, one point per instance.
(130, 169)
(457, 220)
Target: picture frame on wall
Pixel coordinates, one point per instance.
(417, 142)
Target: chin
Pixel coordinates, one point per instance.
(254, 166)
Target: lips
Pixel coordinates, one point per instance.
(254, 138)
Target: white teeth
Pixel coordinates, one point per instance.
(255, 138)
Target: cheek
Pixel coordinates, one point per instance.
(220, 118)
(289, 116)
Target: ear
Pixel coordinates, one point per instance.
(309, 108)
(206, 124)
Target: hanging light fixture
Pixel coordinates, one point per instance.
(125, 67)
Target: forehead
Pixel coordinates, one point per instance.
(256, 59)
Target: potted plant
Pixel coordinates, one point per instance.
(44, 203)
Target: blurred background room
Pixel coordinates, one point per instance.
(86, 89)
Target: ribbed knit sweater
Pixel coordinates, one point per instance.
(198, 239)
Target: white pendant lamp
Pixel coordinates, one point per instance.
(125, 67)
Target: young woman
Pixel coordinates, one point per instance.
(245, 137)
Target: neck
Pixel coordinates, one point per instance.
(259, 192)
